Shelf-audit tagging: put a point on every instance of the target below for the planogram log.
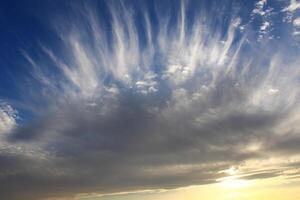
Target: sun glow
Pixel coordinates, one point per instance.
(233, 180)
(235, 183)
(231, 171)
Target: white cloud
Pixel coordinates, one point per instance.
(259, 7)
(294, 5)
(148, 84)
(8, 117)
(273, 91)
(264, 26)
(296, 22)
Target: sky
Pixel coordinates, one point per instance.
(144, 100)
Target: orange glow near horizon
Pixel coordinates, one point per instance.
(227, 189)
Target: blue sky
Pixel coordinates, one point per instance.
(145, 94)
(29, 25)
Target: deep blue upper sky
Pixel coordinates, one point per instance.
(25, 24)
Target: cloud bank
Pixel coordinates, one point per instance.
(144, 100)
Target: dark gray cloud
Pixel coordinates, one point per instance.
(128, 148)
(262, 175)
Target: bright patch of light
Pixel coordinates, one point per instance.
(234, 183)
(231, 171)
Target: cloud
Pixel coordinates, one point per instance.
(293, 6)
(259, 7)
(8, 116)
(159, 106)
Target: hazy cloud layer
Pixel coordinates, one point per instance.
(154, 102)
